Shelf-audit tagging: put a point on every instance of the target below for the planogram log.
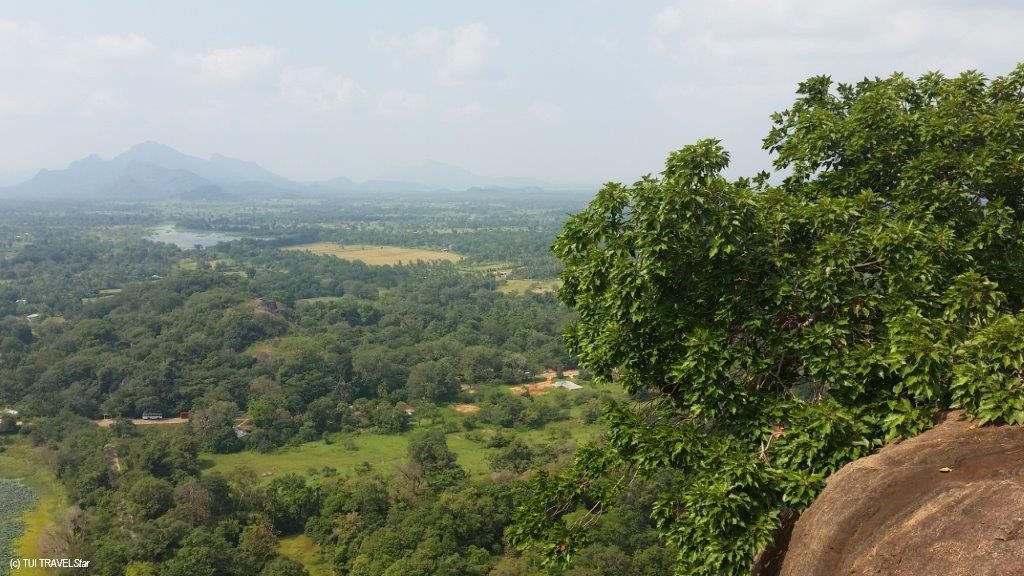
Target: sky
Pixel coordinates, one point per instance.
(569, 91)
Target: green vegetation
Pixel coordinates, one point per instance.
(303, 550)
(782, 330)
(15, 498)
(31, 501)
(354, 452)
(343, 418)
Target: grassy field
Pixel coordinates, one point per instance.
(345, 453)
(529, 286)
(376, 255)
(303, 550)
(349, 452)
(22, 462)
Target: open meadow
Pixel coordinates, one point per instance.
(360, 452)
(529, 286)
(376, 255)
(354, 452)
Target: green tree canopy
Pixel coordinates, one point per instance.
(776, 331)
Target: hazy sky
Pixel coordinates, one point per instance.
(571, 91)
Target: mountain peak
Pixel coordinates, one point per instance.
(151, 170)
(151, 151)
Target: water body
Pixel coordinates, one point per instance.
(188, 239)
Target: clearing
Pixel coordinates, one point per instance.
(550, 377)
(304, 551)
(349, 452)
(105, 422)
(376, 255)
(525, 286)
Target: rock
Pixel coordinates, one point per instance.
(947, 502)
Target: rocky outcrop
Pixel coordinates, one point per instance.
(947, 502)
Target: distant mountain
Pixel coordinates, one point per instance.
(152, 171)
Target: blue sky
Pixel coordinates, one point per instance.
(572, 91)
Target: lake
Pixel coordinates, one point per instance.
(188, 239)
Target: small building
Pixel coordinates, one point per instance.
(8, 419)
(21, 301)
(33, 317)
(566, 384)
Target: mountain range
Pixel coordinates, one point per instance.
(153, 171)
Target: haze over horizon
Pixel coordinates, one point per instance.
(579, 92)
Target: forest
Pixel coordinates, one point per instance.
(273, 352)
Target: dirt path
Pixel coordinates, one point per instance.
(105, 422)
(112, 458)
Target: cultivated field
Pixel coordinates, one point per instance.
(529, 286)
(376, 255)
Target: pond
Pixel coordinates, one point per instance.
(189, 239)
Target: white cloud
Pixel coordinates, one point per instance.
(786, 32)
(400, 103)
(469, 48)
(100, 102)
(20, 105)
(458, 53)
(318, 88)
(111, 47)
(608, 43)
(234, 65)
(547, 111)
(668, 21)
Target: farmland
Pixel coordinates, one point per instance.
(376, 255)
(529, 286)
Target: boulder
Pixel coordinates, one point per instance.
(947, 502)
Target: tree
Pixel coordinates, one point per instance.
(428, 450)
(214, 427)
(202, 553)
(150, 497)
(516, 457)
(290, 502)
(258, 544)
(775, 332)
(194, 502)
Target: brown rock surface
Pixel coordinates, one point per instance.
(947, 502)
